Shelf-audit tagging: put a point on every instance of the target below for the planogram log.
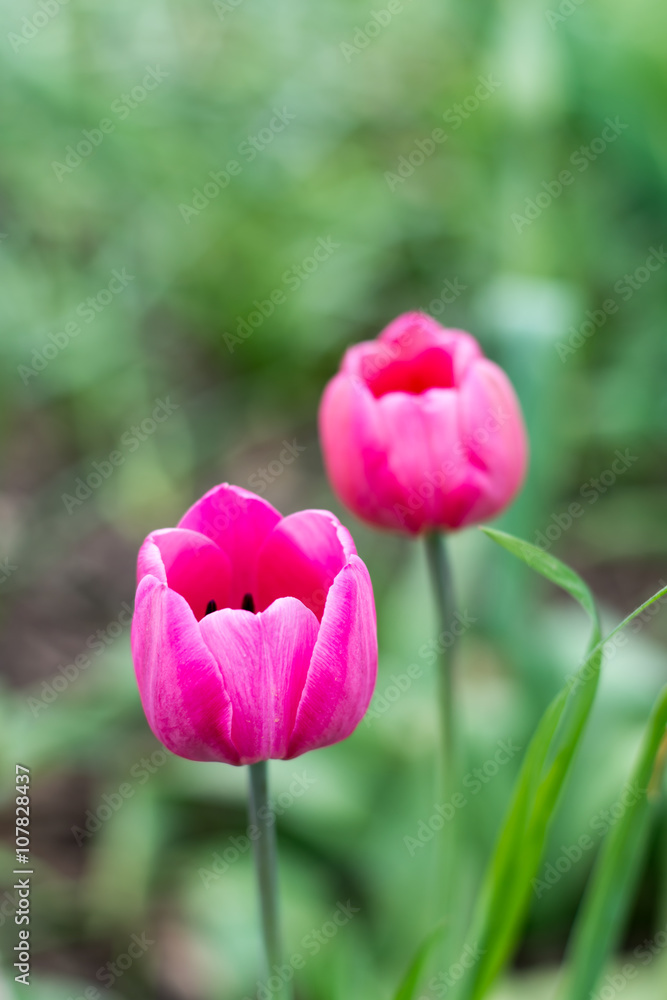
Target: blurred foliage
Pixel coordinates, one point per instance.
(171, 334)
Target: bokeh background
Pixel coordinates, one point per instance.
(333, 97)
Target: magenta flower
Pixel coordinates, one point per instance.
(254, 635)
(420, 431)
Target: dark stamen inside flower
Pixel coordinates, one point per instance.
(211, 606)
(247, 604)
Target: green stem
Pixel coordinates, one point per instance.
(266, 863)
(438, 559)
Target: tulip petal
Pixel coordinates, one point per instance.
(428, 458)
(181, 688)
(431, 369)
(238, 522)
(264, 659)
(190, 564)
(417, 333)
(404, 429)
(412, 354)
(494, 432)
(343, 670)
(355, 451)
(301, 558)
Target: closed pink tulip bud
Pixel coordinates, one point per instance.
(254, 635)
(420, 431)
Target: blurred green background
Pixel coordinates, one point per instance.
(318, 121)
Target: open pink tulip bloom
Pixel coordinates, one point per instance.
(420, 431)
(221, 682)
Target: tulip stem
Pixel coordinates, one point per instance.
(264, 842)
(441, 575)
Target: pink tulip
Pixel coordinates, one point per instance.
(420, 431)
(220, 682)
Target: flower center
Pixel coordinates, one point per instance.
(247, 604)
(431, 369)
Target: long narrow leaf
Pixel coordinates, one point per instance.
(614, 880)
(507, 886)
(506, 889)
(409, 984)
(502, 901)
(551, 568)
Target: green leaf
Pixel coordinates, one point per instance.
(614, 879)
(408, 987)
(551, 568)
(506, 889)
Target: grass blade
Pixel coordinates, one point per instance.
(506, 890)
(409, 984)
(614, 879)
(552, 569)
